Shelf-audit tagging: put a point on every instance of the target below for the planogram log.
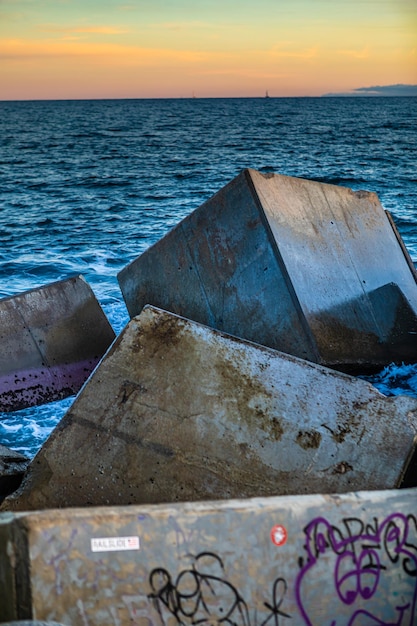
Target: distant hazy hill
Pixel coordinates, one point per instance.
(379, 90)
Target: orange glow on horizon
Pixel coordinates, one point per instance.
(306, 55)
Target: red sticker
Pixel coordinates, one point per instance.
(279, 535)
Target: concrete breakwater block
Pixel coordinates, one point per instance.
(177, 411)
(30, 622)
(315, 270)
(51, 340)
(295, 560)
(12, 467)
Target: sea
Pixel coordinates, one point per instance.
(87, 185)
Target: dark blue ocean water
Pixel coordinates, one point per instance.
(87, 186)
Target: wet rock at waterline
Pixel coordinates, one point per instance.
(12, 468)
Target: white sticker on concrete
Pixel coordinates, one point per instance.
(111, 544)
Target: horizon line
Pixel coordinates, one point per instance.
(341, 95)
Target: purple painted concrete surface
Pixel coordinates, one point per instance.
(41, 385)
(51, 339)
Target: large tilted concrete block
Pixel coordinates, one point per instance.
(51, 339)
(334, 560)
(312, 269)
(177, 411)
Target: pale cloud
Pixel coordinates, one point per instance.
(283, 51)
(245, 72)
(102, 30)
(120, 55)
(180, 25)
(355, 54)
(194, 28)
(98, 30)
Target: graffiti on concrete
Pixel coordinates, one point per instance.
(201, 594)
(359, 556)
(366, 571)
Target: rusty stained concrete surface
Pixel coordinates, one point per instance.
(299, 560)
(293, 264)
(177, 411)
(52, 338)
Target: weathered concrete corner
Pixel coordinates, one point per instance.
(12, 468)
(51, 340)
(220, 267)
(177, 411)
(299, 560)
(293, 264)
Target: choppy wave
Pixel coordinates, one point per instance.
(396, 380)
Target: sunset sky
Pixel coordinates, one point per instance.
(59, 49)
